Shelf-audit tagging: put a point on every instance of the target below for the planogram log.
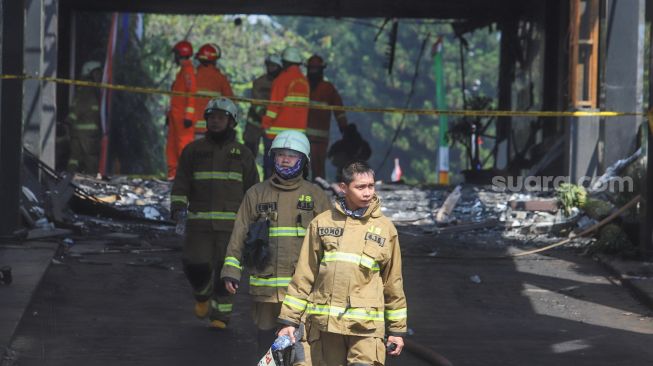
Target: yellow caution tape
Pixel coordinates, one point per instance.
(432, 112)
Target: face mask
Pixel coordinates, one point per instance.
(290, 172)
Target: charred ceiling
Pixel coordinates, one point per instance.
(440, 9)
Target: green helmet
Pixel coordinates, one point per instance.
(292, 140)
(291, 54)
(221, 104)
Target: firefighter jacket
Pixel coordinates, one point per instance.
(261, 89)
(211, 180)
(290, 86)
(290, 205)
(212, 83)
(319, 120)
(183, 107)
(348, 278)
(84, 115)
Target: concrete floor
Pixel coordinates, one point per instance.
(559, 309)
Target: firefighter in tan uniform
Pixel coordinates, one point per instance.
(286, 203)
(348, 280)
(261, 88)
(212, 177)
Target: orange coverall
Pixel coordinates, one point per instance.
(290, 86)
(213, 83)
(181, 108)
(319, 122)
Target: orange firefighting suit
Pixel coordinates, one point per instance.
(181, 108)
(290, 86)
(213, 83)
(319, 122)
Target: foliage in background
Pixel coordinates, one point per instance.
(356, 65)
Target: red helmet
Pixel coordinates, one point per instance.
(183, 49)
(315, 61)
(209, 52)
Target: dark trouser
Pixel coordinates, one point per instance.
(268, 161)
(84, 153)
(203, 258)
(318, 158)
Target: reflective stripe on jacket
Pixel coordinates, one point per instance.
(348, 278)
(290, 86)
(290, 205)
(319, 120)
(84, 115)
(210, 82)
(182, 107)
(211, 181)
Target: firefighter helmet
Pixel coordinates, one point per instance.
(89, 66)
(183, 49)
(209, 52)
(316, 61)
(292, 140)
(273, 58)
(221, 104)
(291, 54)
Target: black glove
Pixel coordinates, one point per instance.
(188, 123)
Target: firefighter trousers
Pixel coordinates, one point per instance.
(333, 349)
(203, 258)
(265, 316)
(318, 158)
(178, 137)
(84, 153)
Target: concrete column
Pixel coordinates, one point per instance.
(623, 77)
(13, 17)
(39, 108)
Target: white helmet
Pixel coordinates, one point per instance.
(292, 55)
(273, 58)
(89, 66)
(222, 104)
(292, 140)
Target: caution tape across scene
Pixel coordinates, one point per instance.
(432, 112)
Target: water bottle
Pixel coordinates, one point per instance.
(281, 343)
(180, 229)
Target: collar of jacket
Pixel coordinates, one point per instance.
(374, 210)
(186, 63)
(286, 184)
(229, 136)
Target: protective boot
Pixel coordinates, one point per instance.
(217, 324)
(202, 309)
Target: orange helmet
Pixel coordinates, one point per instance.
(315, 61)
(209, 52)
(183, 49)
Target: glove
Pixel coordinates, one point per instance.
(188, 123)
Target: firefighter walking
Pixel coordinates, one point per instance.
(213, 175)
(84, 123)
(182, 108)
(261, 88)
(348, 280)
(291, 86)
(284, 205)
(210, 82)
(319, 120)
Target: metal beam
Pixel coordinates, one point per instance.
(646, 229)
(11, 102)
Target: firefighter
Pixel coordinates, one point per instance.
(290, 86)
(182, 108)
(348, 280)
(213, 175)
(84, 123)
(286, 202)
(261, 88)
(210, 82)
(319, 120)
